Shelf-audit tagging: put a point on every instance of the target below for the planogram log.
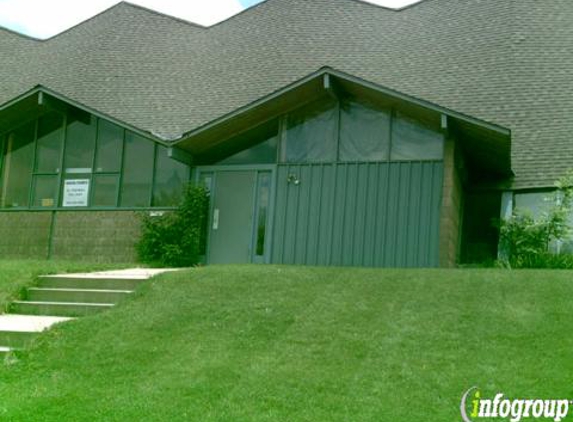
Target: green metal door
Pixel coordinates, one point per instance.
(232, 217)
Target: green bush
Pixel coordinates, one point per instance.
(176, 239)
(545, 260)
(525, 240)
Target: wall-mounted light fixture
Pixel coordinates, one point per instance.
(293, 178)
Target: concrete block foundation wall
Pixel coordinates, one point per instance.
(97, 236)
(25, 234)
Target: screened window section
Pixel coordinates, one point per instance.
(414, 140)
(353, 131)
(76, 160)
(364, 133)
(262, 153)
(311, 134)
(170, 179)
(258, 145)
(345, 131)
(18, 154)
(48, 164)
(107, 165)
(80, 145)
(137, 171)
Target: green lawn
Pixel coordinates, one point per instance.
(302, 344)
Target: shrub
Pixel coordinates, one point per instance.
(525, 239)
(545, 260)
(176, 239)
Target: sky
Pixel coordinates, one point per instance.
(45, 18)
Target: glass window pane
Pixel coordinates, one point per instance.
(311, 134)
(45, 191)
(263, 153)
(254, 146)
(137, 171)
(206, 181)
(17, 167)
(171, 177)
(536, 202)
(364, 133)
(106, 188)
(80, 142)
(50, 139)
(109, 147)
(413, 140)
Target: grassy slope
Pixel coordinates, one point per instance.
(302, 344)
(17, 274)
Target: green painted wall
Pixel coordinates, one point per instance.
(360, 214)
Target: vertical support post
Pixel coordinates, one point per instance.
(505, 213)
(51, 234)
(450, 213)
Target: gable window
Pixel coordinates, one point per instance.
(364, 132)
(346, 131)
(311, 134)
(415, 140)
(257, 145)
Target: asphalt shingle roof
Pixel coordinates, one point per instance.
(506, 62)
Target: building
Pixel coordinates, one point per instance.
(330, 132)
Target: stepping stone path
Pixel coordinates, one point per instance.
(60, 298)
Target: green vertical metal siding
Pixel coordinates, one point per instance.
(359, 214)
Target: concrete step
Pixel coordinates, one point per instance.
(92, 283)
(17, 331)
(70, 309)
(26, 323)
(48, 294)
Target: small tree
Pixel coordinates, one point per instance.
(177, 238)
(526, 239)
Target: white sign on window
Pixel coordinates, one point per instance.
(76, 192)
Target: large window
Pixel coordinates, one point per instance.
(17, 164)
(415, 140)
(80, 143)
(170, 179)
(311, 133)
(364, 133)
(48, 166)
(258, 145)
(76, 160)
(353, 131)
(137, 171)
(326, 130)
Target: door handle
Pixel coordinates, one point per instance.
(216, 219)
